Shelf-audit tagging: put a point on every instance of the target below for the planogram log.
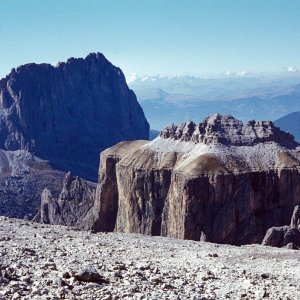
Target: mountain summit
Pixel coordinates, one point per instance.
(69, 113)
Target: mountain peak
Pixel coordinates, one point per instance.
(69, 113)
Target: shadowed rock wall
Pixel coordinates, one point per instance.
(69, 113)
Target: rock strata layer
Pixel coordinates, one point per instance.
(69, 113)
(220, 181)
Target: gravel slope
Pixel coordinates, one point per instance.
(55, 262)
(23, 177)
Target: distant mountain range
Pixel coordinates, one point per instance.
(174, 99)
(290, 123)
(153, 134)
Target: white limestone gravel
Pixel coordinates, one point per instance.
(262, 156)
(38, 261)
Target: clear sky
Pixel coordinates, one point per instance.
(154, 36)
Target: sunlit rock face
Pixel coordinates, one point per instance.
(221, 181)
(69, 113)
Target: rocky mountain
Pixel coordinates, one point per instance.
(290, 123)
(220, 181)
(56, 119)
(69, 113)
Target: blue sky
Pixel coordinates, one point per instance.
(154, 36)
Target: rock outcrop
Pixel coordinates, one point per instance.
(285, 236)
(228, 131)
(71, 206)
(69, 113)
(219, 181)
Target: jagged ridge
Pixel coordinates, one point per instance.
(229, 131)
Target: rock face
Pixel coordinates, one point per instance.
(72, 205)
(69, 113)
(285, 236)
(219, 181)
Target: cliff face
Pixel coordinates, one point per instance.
(221, 181)
(69, 113)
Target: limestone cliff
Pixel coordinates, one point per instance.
(69, 113)
(221, 181)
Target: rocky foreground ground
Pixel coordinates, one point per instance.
(55, 262)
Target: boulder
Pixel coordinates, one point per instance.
(90, 274)
(275, 236)
(285, 236)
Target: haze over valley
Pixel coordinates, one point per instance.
(172, 99)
